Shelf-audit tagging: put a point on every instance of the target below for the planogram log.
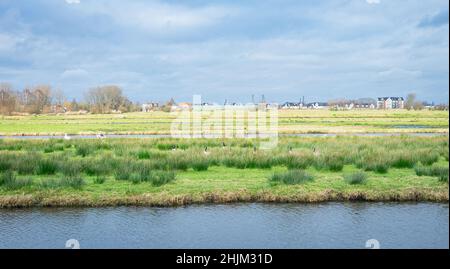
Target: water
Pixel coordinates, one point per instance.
(325, 225)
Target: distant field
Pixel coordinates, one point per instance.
(91, 172)
(290, 121)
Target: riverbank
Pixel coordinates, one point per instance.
(174, 172)
(163, 200)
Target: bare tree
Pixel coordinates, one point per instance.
(8, 99)
(410, 100)
(105, 99)
(58, 97)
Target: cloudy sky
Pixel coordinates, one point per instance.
(222, 49)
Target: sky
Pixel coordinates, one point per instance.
(224, 49)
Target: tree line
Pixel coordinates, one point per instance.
(40, 99)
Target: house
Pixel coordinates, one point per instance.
(290, 105)
(317, 105)
(149, 106)
(365, 105)
(390, 103)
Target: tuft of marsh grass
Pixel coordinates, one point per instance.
(50, 183)
(427, 157)
(355, 178)
(70, 167)
(200, 164)
(73, 182)
(294, 176)
(47, 167)
(441, 172)
(122, 174)
(9, 181)
(332, 161)
(159, 178)
(99, 179)
(143, 154)
(83, 150)
(403, 160)
(296, 161)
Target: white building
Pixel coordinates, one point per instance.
(390, 103)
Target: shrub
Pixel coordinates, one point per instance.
(291, 177)
(356, 178)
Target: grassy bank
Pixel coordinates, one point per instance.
(290, 121)
(175, 172)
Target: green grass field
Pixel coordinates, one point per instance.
(89, 172)
(290, 121)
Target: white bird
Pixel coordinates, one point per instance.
(66, 137)
(100, 136)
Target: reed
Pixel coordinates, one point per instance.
(291, 177)
(9, 181)
(47, 167)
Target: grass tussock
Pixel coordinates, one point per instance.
(355, 178)
(9, 181)
(291, 177)
(441, 172)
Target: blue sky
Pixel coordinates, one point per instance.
(283, 49)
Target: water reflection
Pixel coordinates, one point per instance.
(323, 225)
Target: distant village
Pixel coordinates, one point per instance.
(395, 102)
(43, 99)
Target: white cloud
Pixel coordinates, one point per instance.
(74, 73)
(399, 72)
(70, 2)
(157, 17)
(370, 2)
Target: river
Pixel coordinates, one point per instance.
(323, 225)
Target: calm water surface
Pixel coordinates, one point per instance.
(326, 225)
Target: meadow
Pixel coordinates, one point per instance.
(290, 121)
(168, 171)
